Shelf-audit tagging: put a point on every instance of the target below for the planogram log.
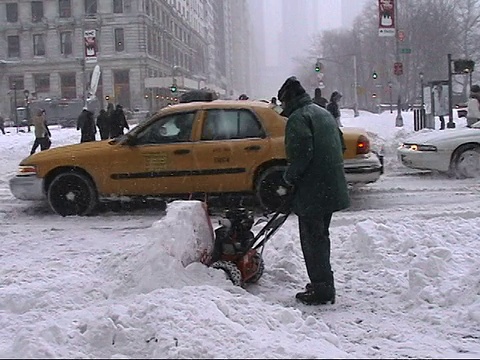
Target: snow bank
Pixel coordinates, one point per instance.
(186, 232)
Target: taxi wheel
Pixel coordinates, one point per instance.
(466, 162)
(270, 188)
(72, 193)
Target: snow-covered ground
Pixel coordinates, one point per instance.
(406, 257)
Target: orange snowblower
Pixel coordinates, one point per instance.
(237, 251)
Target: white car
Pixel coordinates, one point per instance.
(452, 151)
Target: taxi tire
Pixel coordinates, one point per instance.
(73, 184)
(267, 184)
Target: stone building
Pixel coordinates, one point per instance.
(43, 49)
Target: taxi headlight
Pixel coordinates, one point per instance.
(27, 170)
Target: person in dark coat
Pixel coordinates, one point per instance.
(333, 107)
(103, 124)
(118, 122)
(315, 172)
(319, 99)
(86, 125)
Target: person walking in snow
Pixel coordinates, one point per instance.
(41, 131)
(473, 106)
(319, 99)
(103, 124)
(315, 172)
(2, 124)
(118, 122)
(333, 107)
(86, 125)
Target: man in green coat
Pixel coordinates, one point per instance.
(313, 144)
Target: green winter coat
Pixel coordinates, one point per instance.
(313, 144)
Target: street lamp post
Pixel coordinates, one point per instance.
(26, 93)
(15, 103)
(421, 90)
(391, 99)
(399, 118)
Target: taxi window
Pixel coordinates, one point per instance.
(169, 129)
(231, 124)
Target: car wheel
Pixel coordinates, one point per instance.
(271, 189)
(72, 193)
(466, 162)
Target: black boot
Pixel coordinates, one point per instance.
(321, 293)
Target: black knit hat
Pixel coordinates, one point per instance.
(290, 89)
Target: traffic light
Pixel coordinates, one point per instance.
(173, 88)
(318, 66)
(374, 75)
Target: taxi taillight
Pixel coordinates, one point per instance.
(363, 145)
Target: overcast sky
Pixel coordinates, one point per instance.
(330, 14)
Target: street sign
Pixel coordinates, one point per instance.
(398, 68)
(405, 51)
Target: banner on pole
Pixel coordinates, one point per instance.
(90, 37)
(386, 17)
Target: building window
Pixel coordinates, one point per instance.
(90, 7)
(68, 86)
(118, 6)
(38, 45)
(119, 43)
(66, 43)
(64, 8)
(42, 82)
(37, 11)
(12, 12)
(16, 82)
(13, 46)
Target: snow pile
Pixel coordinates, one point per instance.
(186, 232)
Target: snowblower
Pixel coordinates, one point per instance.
(237, 251)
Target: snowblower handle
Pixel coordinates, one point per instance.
(270, 228)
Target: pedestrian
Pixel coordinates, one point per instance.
(441, 105)
(103, 124)
(315, 172)
(118, 122)
(473, 106)
(2, 124)
(333, 107)
(86, 125)
(319, 99)
(41, 131)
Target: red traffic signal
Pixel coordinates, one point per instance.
(398, 68)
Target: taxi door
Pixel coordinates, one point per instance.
(232, 144)
(157, 160)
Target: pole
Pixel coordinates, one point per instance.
(421, 92)
(391, 100)
(398, 119)
(450, 124)
(355, 86)
(15, 103)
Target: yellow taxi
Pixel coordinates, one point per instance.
(216, 147)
